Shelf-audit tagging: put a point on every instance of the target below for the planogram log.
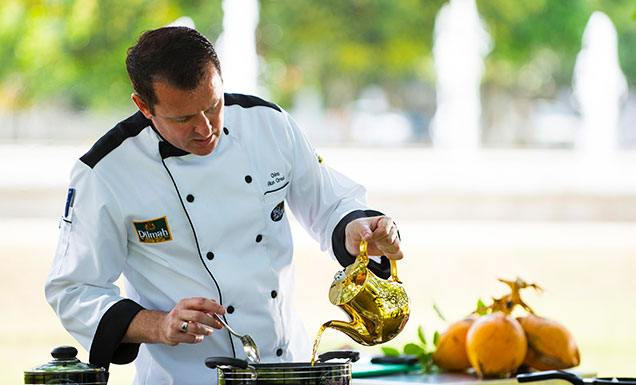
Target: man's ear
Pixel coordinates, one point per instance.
(143, 107)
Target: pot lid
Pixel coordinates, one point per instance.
(65, 360)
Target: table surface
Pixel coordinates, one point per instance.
(452, 379)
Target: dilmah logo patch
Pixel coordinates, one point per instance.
(278, 212)
(153, 231)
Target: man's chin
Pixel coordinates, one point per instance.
(205, 147)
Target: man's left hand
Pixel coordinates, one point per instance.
(380, 232)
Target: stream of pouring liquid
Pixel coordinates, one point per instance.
(314, 350)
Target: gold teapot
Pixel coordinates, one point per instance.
(378, 308)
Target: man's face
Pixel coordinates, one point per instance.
(189, 120)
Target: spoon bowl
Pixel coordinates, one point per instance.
(249, 346)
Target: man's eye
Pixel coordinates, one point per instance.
(181, 120)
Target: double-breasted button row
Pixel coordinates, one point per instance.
(230, 309)
(259, 237)
(190, 197)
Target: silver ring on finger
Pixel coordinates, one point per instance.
(184, 326)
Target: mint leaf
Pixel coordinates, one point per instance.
(420, 334)
(413, 349)
(388, 351)
(436, 338)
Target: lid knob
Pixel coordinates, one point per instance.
(64, 353)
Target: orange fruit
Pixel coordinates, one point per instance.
(496, 345)
(450, 353)
(550, 344)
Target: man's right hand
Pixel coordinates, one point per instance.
(188, 322)
(191, 320)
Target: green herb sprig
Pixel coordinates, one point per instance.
(421, 349)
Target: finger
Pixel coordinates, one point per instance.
(391, 246)
(179, 326)
(187, 338)
(215, 321)
(374, 222)
(392, 251)
(206, 319)
(383, 229)
(205, 305)
(199, 329)
(193, 329)
(397, 255)
(387, 223)
(176, 335)
(393, 234)
(364, 230)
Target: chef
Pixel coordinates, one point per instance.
(188, 199)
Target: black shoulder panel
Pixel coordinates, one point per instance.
(247, 101)
(113, 138)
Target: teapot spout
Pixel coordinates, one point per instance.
(356, 330)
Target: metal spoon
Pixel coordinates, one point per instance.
(249, 346)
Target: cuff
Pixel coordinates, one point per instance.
(382, 269)
(107, 347)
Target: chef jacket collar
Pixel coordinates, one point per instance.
(166, 150)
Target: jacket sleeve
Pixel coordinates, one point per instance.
(324, 200)
(89, 258)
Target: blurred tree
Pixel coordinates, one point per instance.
(536, 42)
(339, 47)
(73, 51)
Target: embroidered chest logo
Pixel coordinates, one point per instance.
(278, 212)
(153, 231)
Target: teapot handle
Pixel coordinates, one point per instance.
(364, 254)
(394, 277)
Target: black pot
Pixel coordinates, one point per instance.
(233, 371)
(65, 368)
(574, 379)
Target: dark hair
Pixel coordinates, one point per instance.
(177, 55)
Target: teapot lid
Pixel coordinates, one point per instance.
(64, 360)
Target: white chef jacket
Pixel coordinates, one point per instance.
(178, 225)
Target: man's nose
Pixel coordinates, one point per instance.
(203, 126)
